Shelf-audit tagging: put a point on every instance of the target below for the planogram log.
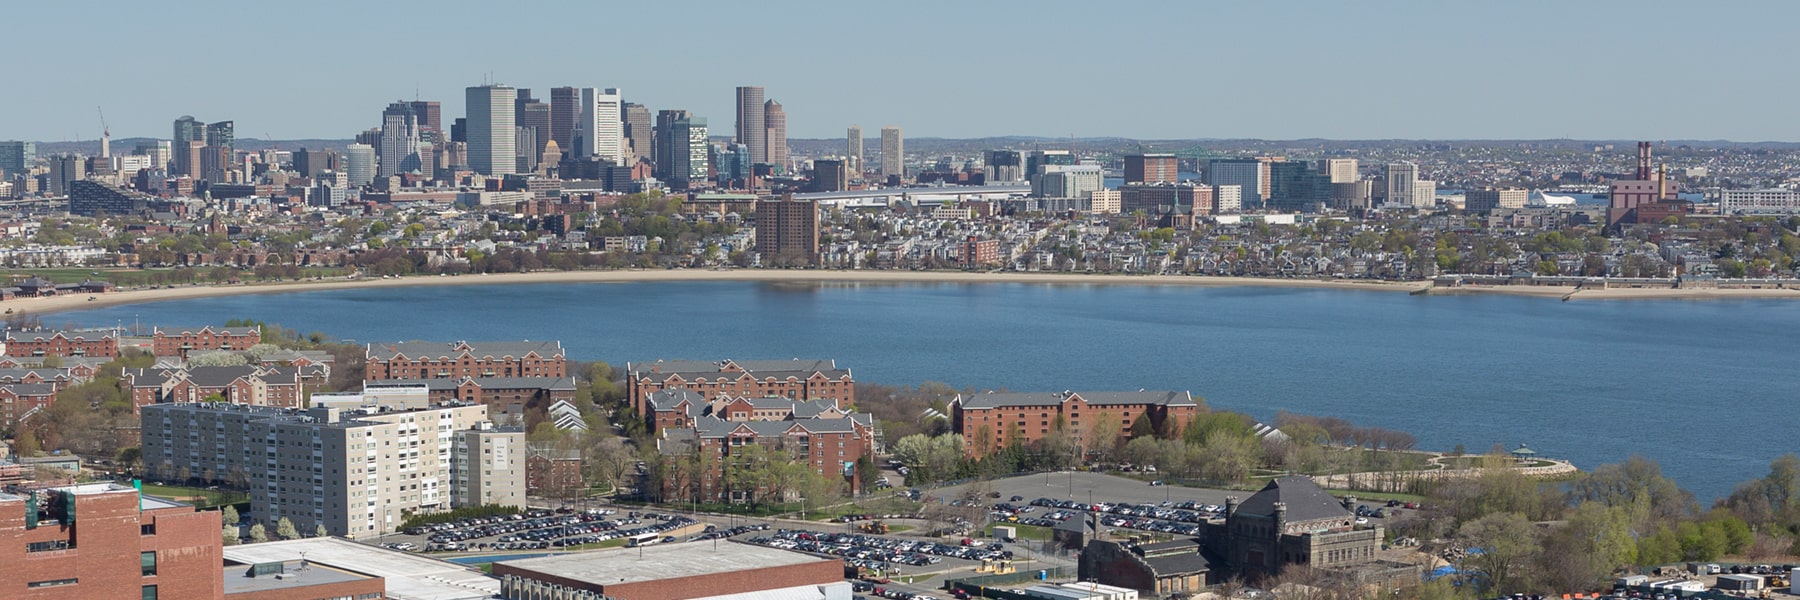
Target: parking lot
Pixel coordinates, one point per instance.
(1090, 487)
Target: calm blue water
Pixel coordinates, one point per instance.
(1704, 387)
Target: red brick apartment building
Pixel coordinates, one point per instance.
(187, 341)
(988, 422)
(830, 446)
(455, 360)
(102, 540)
(795, 379)
(244, 384)
(42, 343)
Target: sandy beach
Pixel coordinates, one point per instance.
(53, 304)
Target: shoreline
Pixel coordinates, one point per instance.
(69, 302)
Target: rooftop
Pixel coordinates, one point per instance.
(616, 566)
(409, 576)
(238, 579)
(1304, 499)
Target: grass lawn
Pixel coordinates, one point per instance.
(201, 497)
(1362, 496)
(612, 543)
(899, 528)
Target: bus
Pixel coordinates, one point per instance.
(642, 539)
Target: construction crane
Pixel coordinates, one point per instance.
(105, 135)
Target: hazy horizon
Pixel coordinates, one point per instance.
(1372, 71)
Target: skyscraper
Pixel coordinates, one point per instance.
(490, 130)
(600, 132)
(668, 144)
(1402, 182)
(359, 164)
(1341, 170)
(775, 134)
(639, 135)
(1151, 168)
(531, 114)
(221, 144)
(1004, 165)
(690, 157)
(752, 126)
(187, 129)
(18, 157)
(853, 150)
(399, 140)
(1246, 173)
(893, 153)
(565, 109)
(430, 114)
(829, 175)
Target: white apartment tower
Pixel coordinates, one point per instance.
(490, 130)
(853, 151)
(1402, 183)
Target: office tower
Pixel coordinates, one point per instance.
(359, 164)
(830, 175)
(752, 125)
(1037, 160)
(565, 109)
(529, 112)
(639, 134)
(600, 132)
(1246, 173)
(159, 151)
(1003, 166)
(1488, 199)
(1402, 181)
(65, 169)
(1352, 195)
(893, 153)
(787, 231)
(853, 151)
(188, 129)
(459, 130)
(668, 145)
(525, 138)
(430, 114)
(399, 140)
(1341, 170)
(1068, 181)
(1295, 186)
(1151, 168)
(1425, 194)
(310, 163)
(689, 165)
(454, 457)
(490, 130)
(17, 157)
(775, 134)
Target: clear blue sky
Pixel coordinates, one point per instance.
(1177, 69)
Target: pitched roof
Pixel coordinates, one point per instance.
(1014, 399)
(1305, 500)
(781, 369)
(493, 383)
(219, 376)
(31, 389)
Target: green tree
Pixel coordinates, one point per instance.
(229, 535)
(319, 531)
(1507, 545)
(285, 529)
(258, 534)
(229, 516)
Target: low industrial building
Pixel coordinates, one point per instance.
(403, 576)
(675, 572)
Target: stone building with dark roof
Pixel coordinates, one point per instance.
(1291, 521)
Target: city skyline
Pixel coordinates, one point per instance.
(1530, 71)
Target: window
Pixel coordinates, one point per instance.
(52, 583)
(147, 560)
(149, 592)
(47, 546)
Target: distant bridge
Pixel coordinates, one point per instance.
(915, 195)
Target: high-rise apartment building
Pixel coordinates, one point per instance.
(893, 153)
(1228, 199)
(787, 231)
(565, 110)
(357, 471)
(490, 130)
(18, 157)
(853, 149)
(359, 164)
(640, 136)
(399, 140)
(1402, 182)
(1340, 170)
(1068, 181)
(752, 126)
(775, 134)
(1152, 168)
(830, 175)
(65, 169)
(600, 132)
(1246, 173)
